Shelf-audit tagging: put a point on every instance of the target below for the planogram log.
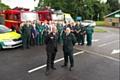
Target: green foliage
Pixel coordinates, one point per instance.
(114, 5)
(88, 9)
(100, 23)
(99, 30)
(3, 6)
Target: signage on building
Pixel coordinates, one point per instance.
(117, 15)
(78, 18)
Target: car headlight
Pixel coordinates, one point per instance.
(7, 40)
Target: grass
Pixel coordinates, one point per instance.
(99, 30)
(100, 23)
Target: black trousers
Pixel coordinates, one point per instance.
(50, 60)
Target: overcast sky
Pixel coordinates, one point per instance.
(22, 3)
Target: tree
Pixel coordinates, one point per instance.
(3, 6)
(114, 5)
(88, 9)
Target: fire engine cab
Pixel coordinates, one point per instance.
(17, 15)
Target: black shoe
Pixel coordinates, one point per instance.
(47, 73)
(28, 47)
(63, 65)
(82, 44)
(71, 68)
(78, 43)
(53, 68)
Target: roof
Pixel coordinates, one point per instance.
(112, 13)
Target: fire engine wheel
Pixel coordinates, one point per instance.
(0, 47)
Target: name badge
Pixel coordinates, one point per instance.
(51, 37)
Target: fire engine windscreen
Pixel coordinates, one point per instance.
(29, 16)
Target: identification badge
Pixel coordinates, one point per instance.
(51, 37)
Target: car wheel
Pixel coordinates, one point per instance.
(0, 47)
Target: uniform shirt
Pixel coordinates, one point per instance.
(27, 30)
(89, 30)
(77, 27)
(83, 29)
(40, 28)
(60, 29)
(51, 42)
(69, 41)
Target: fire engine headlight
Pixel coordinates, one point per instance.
(7, 40)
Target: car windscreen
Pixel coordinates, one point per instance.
(69, 19)
(29, 16)
(4, 29)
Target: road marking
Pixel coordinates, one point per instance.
(40, 67)
(94, 40)
(107, 43)
(115, 51)
(110, 36)
(99, 54)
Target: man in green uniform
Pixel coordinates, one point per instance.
(60, 31)
(40, 35)
(69, 41)
(21, 26)
(82, 34)
(89, 32)
(77, 32)
(26, 31)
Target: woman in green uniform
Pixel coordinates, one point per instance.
(89, 32)
(40, 35)
(60, 31)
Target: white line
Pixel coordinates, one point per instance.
(40, 67)
(99, 54)
(110, 36)
(107, 43)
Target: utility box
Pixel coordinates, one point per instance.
(2, 21)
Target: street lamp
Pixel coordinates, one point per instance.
(98, 16)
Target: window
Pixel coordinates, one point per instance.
(7, 16)
(47, 16)
(16, 17)
(110, 20)
(40, 16)
(11, 16)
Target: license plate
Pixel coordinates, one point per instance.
(9, 46)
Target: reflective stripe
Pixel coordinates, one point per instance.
(2, 44)
(11, 21)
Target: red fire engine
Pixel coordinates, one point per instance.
(17, 15)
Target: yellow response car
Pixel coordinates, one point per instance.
(8, 38)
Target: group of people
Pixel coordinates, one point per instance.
(34, 33)
(50, 33)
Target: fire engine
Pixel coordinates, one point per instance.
(16, 16)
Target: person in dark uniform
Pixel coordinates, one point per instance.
(51, 48)
(46, 30)
(72, 28)
(82, 34)
(77, 32)
(69, 41)
(26, 31)
(89, 32)
(13, 28)
(34, 35)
